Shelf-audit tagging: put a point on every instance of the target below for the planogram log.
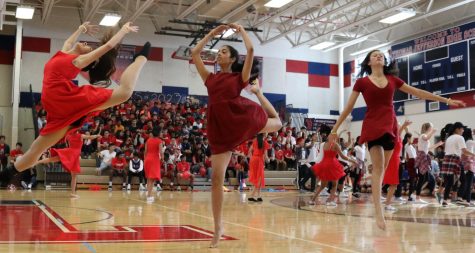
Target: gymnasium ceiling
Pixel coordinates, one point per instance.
(352, 23)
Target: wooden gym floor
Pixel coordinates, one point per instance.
(50, 221)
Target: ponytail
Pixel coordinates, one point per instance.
(260, 140)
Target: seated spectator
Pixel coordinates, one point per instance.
(183, 173)
(136, 170)
(89, 146)
(198, 161)
(106, 140)
(289, 156)
(4, 152)
(104, 158)
(118, 165)
(242, 168)
(41, 122)
(279, 157)
(17, 152)
(168, 169)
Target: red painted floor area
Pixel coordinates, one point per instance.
(30, 224)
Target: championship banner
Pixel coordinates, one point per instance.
(312, 124)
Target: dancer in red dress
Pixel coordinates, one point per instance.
(66, 103)
(391, 176)
(153, 155)
(69, 157)
(258, 154)
(329, 170)
(232, 119)
(379, 125)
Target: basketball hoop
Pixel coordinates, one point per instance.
(207, 55)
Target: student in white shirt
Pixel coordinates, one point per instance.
(106, 158)
(466, 177)
(423, 161)
(410, 157)
(451, 166)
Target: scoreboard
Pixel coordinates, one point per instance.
(441, 63)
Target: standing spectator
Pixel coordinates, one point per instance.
(135, 170)
(118, 170)
(41, 122)
(4, 152)
(105, 158)
(153, 153)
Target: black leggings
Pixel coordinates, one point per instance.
(412, 185)
(465, 190)
(398, 192)
(448, 184)
(421, 179)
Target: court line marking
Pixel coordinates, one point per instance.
(248, 227)
(199, 231)
(51, 217)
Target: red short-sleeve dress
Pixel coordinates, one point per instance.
(380, 118)
(391, 175)
(69, 156)
(65, 102)
(232, 119)
(256, 163)
(152, 159)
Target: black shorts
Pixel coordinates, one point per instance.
(386, 141)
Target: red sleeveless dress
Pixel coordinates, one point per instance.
(380, 117)
(232, 119)
(70, 156)
(65, 102)
(391, 175)
(329, 169)
(256, 163)
(152, 159)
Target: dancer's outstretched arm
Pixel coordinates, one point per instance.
(349, 107)
(84, 28)
(90, 137)
(422, 94)
(84, 60)
(195, 52)
(246, 70)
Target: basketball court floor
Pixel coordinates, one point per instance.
(50, 221)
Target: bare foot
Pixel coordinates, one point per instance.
(217, 237)
(381, 223)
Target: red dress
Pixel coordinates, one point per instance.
(380, 117)
(69, 156)
(152, 159)
(232, 119)
(329, 169)
(256, 164)
(391, 176)
(64, 102)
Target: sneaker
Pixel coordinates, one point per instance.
(344, 195)
(390, 208)
(421, 201)
(259, 199)
(400, 199)
(462, 202)
(29, 186)
(24, 185)
(438, 197)
(444, 204)
(129, 187)
(331, 203)
(178, 188)
(150, 200)
(324, 193)
(471, 204)
(109, 188)
(159, 188)
(142, 188)
(244, 185)
(356, 195)
(251, 199)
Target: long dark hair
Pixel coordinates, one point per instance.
(446, 131)
(237, 65)
(102, 69)
(467, 134)
(388, 69)
(260, 140)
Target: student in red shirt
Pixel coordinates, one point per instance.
(183, 172)
(118, 170)
(4, 152)
(16, 152)
(279, 157)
